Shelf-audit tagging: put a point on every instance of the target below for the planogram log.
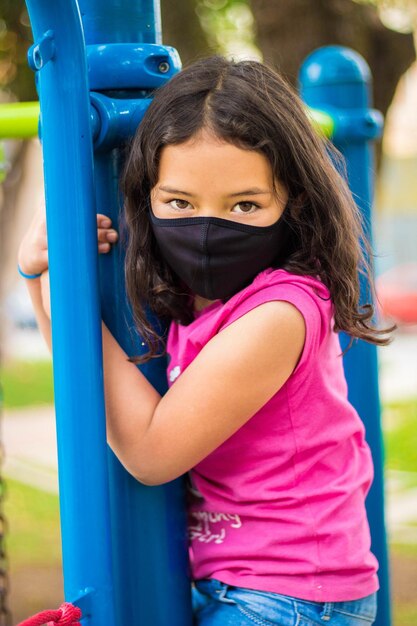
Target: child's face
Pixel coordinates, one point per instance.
(211, 178)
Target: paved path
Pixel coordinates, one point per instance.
(30, 443)
(401, 507)
(29, 438)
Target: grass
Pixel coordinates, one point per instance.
(400, 439)
(33, 535)
(408, 550)
(405, 615)
(26, 383)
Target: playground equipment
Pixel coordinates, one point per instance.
(338, 81)
(18, 120)
(96, 64)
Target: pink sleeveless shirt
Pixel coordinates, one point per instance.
(279, 506)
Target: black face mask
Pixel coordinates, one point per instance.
(216, 257)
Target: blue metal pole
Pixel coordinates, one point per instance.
(337, 80)
(58, 56)
(126, 62)
(117, 21)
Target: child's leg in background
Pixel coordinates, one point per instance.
(218, 604)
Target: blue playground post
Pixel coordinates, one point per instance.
(337, 81)
(124, 544)
(58, 57)
(126, 61)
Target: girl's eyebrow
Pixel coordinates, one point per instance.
(255, 191)
(170, 190)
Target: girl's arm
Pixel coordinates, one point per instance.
(33, 259)
(236, 373)
(38, 289)
(159, 438)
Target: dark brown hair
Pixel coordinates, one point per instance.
(246, 103)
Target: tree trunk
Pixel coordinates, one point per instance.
(181, 28)
(288, 30)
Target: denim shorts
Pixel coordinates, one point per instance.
(218, 604)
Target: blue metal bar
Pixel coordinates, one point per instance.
(152, 585)
(143, 528)
(337, 80)
(121, 21)
(126, 62)
(128, 65)
(58, 56)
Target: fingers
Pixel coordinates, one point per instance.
(105, 235)
(103, 220)
(105, 239)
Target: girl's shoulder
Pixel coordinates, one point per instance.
(307, 293)
(283, 281)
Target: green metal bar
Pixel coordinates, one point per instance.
(322, 122)
(19, 120)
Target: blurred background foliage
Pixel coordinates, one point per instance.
(270, 31)
(380, 30)
(16, 79)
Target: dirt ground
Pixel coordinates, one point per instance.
(404, 579)
(403, 574)
(35, 590)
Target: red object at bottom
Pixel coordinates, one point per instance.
(66, 615)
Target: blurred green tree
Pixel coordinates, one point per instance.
(285, 32)
(16, 79)
(201, 27)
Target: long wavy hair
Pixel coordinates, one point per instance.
(247, 104)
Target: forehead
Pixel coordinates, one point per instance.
(208, 157)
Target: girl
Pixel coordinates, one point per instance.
(241, 233)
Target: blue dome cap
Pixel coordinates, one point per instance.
(331, 65)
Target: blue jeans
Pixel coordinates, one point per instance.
(218, 604)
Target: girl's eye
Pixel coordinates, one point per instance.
(177, 200)
(246, 207)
